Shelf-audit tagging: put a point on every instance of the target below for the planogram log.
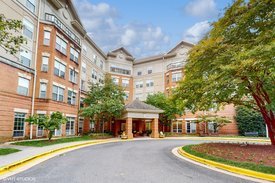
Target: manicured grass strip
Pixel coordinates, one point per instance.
(5, 151)
(41, 143)
(250, 166)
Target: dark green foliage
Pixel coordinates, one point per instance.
(104, 102)
(249, 120)
(169, 107)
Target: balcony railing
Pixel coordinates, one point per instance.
(175, 65)
(64, 28)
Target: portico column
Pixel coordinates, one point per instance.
(155, 128)
(129, 128)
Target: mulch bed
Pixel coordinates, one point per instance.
(258, 154)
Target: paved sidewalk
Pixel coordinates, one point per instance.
(28, 151)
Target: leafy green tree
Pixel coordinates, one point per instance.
(8, 38)
(49, 123)
(219, 121)
(235, 63)
(161, 101)
(249, 120)
(104, 102)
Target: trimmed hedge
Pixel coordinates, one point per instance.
(249, 120)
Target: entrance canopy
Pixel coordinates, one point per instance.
(141, 110)
(138, 109)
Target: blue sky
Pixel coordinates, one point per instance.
(148, 27)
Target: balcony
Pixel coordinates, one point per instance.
(176, 65)
(53, 19)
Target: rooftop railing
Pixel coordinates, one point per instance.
(62, 27)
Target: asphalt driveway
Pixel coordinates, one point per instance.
(142, 161)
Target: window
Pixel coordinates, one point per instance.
(149, 70)
(59, 69)
(126, 96)
(61, 45)
(40, 129)
(121, 71)
(100, 78)
(82, 85)
(125, 82)
(101, 64)
(71, 97)
(139, 73)
(80, 124)
(30, 4)
(177, 126)
(74, 55)
(95, 58)
(58, 93)
(47, 37)
(190, 127)
(138, 96)
(84, 48)
(81, 102)
(25, 58)
(115, 81)
(45, 64)
(19, 124)
(70, 126)
(43, 90)
(94, 74)
(176, 76)
(58, 132)
(23, 86)
(73, 76)
(28, 28)
(139, 84)
(83, 70)
(149, 83)
(212, 127)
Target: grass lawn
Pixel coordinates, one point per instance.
(247, 165)
(5, 151)
(41, 143)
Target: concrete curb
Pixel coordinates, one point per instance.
(237, 170)
(12, 166)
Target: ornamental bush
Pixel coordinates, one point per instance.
(249, 120)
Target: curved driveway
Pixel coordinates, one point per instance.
(140, 161)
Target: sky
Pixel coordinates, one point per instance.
(148, 27)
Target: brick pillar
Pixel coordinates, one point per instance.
(155, 128)
(183, 127)
(129, 128)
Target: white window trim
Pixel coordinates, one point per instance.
(43, 81)
(59, 85)
(22, 75)
(61, 61)
(21, 110)
(41, 112)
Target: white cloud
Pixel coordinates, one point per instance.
(197, 32)
(201, 8)
(102, 22)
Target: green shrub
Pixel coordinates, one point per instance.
(249, 120)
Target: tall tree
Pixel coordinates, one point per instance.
(161, 101)
(235, 63)
(104, 102)
(49, 123)
(8, 38)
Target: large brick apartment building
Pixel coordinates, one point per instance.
(52, 71)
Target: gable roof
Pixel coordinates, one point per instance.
(123, 50)
(179, 44)
(140, 106)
